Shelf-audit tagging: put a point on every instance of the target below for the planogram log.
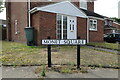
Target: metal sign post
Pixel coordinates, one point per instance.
(78, 55)
(49, 54)
(76, 42)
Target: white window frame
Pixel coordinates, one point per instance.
(92, 25)
(83, 4)
(61, 26)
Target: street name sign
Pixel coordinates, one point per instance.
(64, 42)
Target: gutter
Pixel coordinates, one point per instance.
(29, 18)
(88, 30)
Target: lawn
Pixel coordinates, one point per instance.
(113, 46)
(19, 54)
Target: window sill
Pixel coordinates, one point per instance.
(92, 30)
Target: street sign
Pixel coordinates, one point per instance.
(76, 42)
(64, 42)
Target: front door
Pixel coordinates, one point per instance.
(71, 28)
(66, 27)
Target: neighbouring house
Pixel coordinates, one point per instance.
(59, 20)
(3, 31)
(111, 26)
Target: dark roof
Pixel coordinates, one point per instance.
(90, 13)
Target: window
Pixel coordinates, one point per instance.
(93, 24)
(61, 27)
(106, 22)
(83, 4)
(72, 25)
(110, 23)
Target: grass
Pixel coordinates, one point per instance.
(113, 46)
(43, 71)
(19, 54)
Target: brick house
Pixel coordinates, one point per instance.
(111, 26)
(59, 20)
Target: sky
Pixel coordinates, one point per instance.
(107, 8)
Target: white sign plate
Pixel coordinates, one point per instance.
(64, 42)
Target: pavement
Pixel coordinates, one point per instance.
(29, 72)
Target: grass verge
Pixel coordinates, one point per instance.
(113, 46)
(18, 54)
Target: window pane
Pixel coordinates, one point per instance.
(59, 21)
(95, 22)
(70, 26)
(59, 36)
(91, 23)
(59, 17)
(65, 22)
(94, 26)
(73, 26)
(64, 27)
(64, 31)
(59, 31)
(59, 25)
(64, 18)
(64, 36)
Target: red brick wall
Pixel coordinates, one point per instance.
(116, 25)
(82, 27)
(45, 25)
(18, 12)
(35, 22)
(97, 36)
(39, 4)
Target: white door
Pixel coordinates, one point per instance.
(71, 28)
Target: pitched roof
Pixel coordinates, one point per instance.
(90, 13)
(64, 7)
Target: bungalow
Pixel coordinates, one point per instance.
(59, 20)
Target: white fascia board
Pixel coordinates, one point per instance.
(65, 7)
(35, 9)
(96, 18)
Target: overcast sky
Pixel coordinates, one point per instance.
(107, 8)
